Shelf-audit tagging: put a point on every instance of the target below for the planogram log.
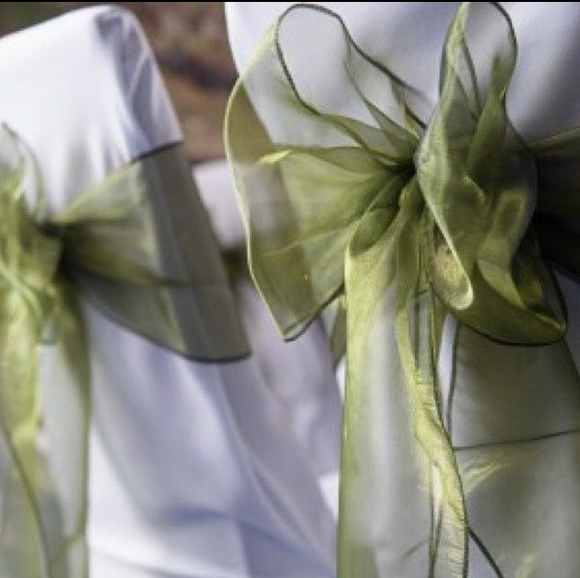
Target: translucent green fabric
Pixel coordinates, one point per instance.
(412, 221)
(132, 246)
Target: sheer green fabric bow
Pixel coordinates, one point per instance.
(410, 221)
(126, 246)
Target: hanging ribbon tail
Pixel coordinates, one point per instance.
(401, 503)
(512, 414)
(42, 532)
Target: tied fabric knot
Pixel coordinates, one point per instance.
(124, 246)
(29, 256)
(353, 195)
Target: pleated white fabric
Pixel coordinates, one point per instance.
(196, 470)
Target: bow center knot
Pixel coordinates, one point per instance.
(29, 264)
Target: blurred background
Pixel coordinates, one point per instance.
(190, 42)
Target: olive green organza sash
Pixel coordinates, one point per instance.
(408, 221)
(128, 245)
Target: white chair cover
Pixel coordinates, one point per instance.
(543, 99)
(195, 469)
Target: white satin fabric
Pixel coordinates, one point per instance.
(544, 98)
(196, 470)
